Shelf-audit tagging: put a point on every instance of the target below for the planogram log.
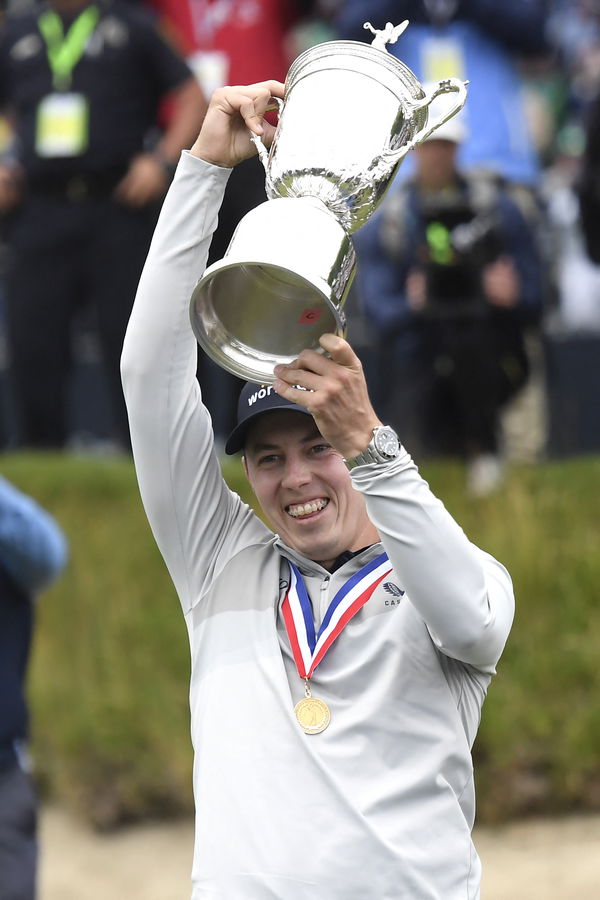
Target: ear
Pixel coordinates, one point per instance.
(247, 473)
(245, 465)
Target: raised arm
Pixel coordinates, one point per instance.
(188, 505)
(463, 595)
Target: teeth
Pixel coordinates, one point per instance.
(305, 509)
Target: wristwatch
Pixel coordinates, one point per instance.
(383, 446)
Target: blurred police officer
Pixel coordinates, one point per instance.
(82, 82)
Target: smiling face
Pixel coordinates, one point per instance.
(304, 488)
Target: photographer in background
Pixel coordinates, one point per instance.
(451, 279)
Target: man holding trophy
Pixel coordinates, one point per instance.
(340, 660)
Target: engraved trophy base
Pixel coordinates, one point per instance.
(281, 284)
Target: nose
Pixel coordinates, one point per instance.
(296, 473)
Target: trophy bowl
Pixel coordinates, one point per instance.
(265, 301)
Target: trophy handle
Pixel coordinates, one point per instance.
(447, 86)
(263, 153)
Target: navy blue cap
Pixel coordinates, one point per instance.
(255, 399)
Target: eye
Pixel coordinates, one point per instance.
(320, 448)
(269, 459)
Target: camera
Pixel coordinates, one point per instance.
(458, 243)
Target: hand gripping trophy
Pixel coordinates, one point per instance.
(350, 114)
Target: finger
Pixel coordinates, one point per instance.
(311, 367)
(275, 88)
(301, 379)
(339, 350)
(268, 134)
(251, 116)
(255, 99)
(253, 111)
(265, 101)
(293, 394)
(267, 89)
(299, 370)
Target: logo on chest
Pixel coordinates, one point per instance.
(396, 593)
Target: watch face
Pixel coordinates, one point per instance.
(386, 441)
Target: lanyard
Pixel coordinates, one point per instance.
(65, 51)
(308, 647)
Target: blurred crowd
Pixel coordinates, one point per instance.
(478, 288)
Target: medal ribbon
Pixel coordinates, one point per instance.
(309, 647)
(65, 51)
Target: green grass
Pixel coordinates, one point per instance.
(109, 673)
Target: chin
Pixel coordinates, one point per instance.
(314, 541)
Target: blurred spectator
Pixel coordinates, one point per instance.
(573, 31)
(33, 551)
(565, 102)
(589, 184)
(476, 40)
(232, 41)
(572, 188)
(450, 279)
(82, 83)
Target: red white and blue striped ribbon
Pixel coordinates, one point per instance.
(309, 647)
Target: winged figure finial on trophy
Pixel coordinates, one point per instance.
(387, 35)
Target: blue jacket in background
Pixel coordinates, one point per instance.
(33, 552)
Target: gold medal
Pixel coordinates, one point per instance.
(308, 648)
(313, 715)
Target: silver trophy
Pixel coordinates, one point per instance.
(350, 114)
